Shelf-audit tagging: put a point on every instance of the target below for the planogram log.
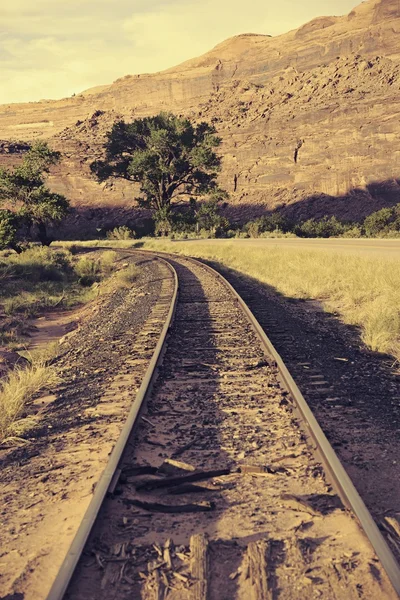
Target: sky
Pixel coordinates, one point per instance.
(55, 48)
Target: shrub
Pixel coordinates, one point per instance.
(8, 229)
(121, 233)
(127, 275)
(74, 249)
(87, 270)
(254, 228)
(353, 232)
(39, 263)
(107, 261)
(20, 386)
(325, 227)
(268, 224)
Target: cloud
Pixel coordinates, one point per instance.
(51, 49)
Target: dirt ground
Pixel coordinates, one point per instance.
(47, 483)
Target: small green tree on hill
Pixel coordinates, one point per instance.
(172, 160)
(27, 197)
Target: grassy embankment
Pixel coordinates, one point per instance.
(38, 280)
(363, 291)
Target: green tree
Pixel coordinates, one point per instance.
(209, 218)
(324, 228)
(381, 221)
(23, 188)
(8, 230)
(268, 223)
(172, 160)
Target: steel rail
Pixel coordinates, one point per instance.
(334, 468)
(68, 566)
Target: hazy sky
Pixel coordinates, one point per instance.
(54, 48)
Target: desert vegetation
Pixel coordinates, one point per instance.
(16, 391)
(206, 219)
(42, 278)
(36, 280)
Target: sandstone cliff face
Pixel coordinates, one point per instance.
(309, 120)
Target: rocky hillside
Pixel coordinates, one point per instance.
(309, 119)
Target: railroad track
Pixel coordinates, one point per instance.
(222, 485)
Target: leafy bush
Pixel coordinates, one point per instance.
(121, 233)
(324, 228)
(353, 232)
(268, 223)
(38, 263)
(8, 229)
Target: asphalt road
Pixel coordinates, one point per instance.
(370, 247)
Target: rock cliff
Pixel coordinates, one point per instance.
(309, 119)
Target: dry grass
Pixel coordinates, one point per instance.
(98, 244)
(364, 291)
(16, 392)
(127, 275)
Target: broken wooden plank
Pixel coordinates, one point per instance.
(174, 467)
(167, 553)
(154, 443)
(199, 566)
(170, 508)
(258, 570)
(155, 587)
(174, 481)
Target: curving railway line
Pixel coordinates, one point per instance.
(222, 484)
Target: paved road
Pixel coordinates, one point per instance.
(370, 247)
